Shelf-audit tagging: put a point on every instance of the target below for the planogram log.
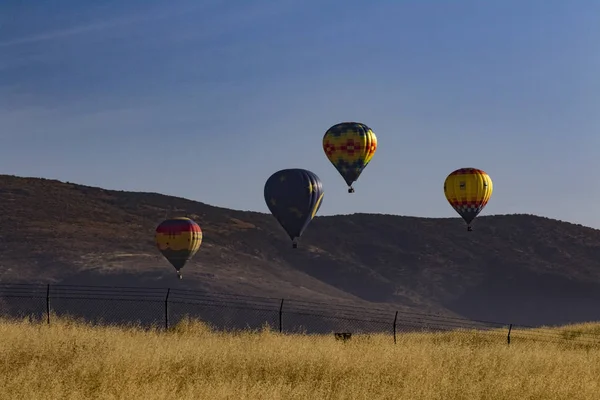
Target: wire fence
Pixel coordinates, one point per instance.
(160, 307)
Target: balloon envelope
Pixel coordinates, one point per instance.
(350, 146)
(468, 190)
(294, 196)
(178, 239)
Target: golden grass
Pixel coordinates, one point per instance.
(72, 360)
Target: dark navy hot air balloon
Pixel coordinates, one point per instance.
(294, 196)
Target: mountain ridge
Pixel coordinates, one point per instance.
(518, 267)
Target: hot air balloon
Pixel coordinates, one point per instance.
(468, 190)
(294, 196)
(178, 239)
(350, 146)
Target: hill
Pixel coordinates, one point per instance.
(521, 269)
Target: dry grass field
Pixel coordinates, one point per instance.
(72, 360)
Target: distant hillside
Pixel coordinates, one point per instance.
(517, 268)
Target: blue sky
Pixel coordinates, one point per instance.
(205, 99)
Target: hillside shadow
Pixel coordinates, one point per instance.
(350, 278)
(138, 279)
(527, 298)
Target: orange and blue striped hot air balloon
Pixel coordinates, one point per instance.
(468, 191)
(178, 239)
(350, 147)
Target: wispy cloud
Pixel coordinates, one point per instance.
(31, 76)
(97, 26)
(243, 21)
(156, 14)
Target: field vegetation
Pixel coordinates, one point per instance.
(69, 359)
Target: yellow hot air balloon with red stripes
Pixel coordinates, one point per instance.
(178, 239)
(468, 191)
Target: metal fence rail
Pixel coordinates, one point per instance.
(160, 307)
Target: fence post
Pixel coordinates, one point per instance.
(508, 337)
(167, 309)
(281, 316)
(395, 320)
(48, 304)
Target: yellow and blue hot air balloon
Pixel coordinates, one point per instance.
(350, 146)
(294, 196)
(178, 239)
(468, 190)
